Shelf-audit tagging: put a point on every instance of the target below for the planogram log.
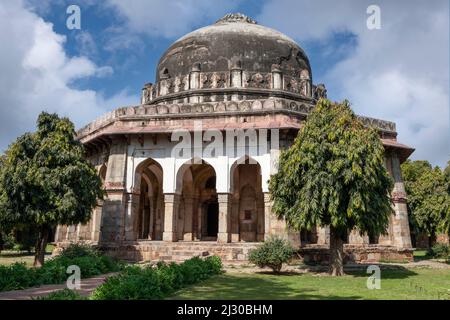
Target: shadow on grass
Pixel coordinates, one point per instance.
(251, 287)
(422, 255)
(389, 271)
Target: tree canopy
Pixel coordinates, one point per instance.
(45, 180)
(334, 175)
(428, 197)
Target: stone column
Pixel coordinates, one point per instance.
(131, 223)
(267, 215)
(57, 233)
(151, 220)
(114, 205)
(400, 227)
(96, 221)
(223, 235)
(277, 78)
(323, 235)
(235, 236)
(236, 78)
(147, 93)
(78, 228)
(170, 217)
(188, 219)
(194, 82)
(355, 238)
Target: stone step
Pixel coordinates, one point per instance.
(182, 252)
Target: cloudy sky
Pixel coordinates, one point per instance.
(399, 72)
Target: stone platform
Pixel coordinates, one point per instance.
(319, 254)
(236, 253)
(179, 251)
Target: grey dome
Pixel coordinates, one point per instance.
(233, 41)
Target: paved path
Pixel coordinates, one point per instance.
(87, 287)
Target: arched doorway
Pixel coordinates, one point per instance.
(247, 216)
(149, 220)
(198, 214)
(211, 219)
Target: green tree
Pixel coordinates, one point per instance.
(45, 180)
(446, 220)
(334, 175)
(428, 197)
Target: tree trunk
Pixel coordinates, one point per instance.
(41, 243)
(1, 241)
(336, 253)
(431, 241)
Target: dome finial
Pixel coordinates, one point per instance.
(236, 17)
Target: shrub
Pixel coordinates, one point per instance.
(91, 263)
(7, 241)
(272, 253)
(133, 284)
(16, 276)
(214, 264)
(65, 294)
(440, 250)
(79, 250)
(157, 281)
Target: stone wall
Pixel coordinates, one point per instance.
(365, 254)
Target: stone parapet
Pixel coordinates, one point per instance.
(296, 108)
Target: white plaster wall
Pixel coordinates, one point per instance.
(162, 152)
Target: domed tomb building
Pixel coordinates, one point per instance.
(186, 171)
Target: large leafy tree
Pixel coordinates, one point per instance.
(45, 180)
(334, 175)
(428, 197)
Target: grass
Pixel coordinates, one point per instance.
(8, 257)
(420, 255)
(398, 283)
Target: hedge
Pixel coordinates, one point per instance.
(18, 276)
(157, 281)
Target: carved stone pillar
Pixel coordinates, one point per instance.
(170, 217)
(400, 224)
(223, 235)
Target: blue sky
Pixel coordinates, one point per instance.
(398, 73)
(136, 65)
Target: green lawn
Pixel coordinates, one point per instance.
(8, 257)
(402, 284)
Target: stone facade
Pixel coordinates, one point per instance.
(187, 169)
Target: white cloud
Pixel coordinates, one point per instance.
(162, 18)
(399, 73)
(37, 75)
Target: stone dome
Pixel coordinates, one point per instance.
(235, 58)
(233, 41)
